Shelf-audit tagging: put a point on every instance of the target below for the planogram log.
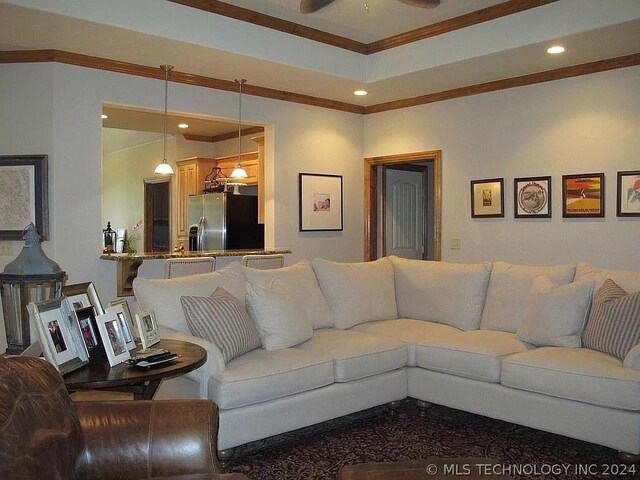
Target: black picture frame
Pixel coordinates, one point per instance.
(583, 195)
(487, 198)
(320, 202)
(91, 337)
(628, 192)
(532, 197)
(33, 198)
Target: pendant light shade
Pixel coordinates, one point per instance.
(164, 168)
(239, 172)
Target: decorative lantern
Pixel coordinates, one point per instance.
(31, 277)
(108, 239)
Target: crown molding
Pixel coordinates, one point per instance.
(224, 136)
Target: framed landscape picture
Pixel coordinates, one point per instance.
(583, 195)
(532, 197)
(628, 194)
(320, 202)
(487, 198)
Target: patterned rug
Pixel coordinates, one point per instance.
(320, 451)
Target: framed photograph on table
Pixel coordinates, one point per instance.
(487, 198)
(23, 195)
(59, 334)
(532, 197)
(628, 196)
(82, 295)
(148, 328)
(127, 313)
(113, 339)
(320, 202)
(583, 195)
(86, 318)
(125, 325)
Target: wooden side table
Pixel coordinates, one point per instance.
(143, 383)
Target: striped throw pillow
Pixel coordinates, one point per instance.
(222, 320)
(614, 322)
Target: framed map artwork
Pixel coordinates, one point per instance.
(23, 195)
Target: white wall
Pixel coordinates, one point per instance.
(581, 125)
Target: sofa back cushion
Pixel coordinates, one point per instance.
(357, 292)
(448, 293)
(509, 287)
(301, 278)
(626, 279)
(163, 295)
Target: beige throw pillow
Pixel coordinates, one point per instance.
(554, 315)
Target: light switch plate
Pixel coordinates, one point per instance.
(456, 243)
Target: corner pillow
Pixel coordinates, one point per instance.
(222, 320)
(280, 317)
(357, 292)
(614, 322)
(554, 316)
(302, 280)
(163, 295)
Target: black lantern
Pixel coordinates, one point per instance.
(108, 239)
(31, 277)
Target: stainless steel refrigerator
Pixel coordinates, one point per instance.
(223, 221)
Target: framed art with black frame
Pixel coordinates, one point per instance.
(487, 198)
(583, 195)
(86, 318)
(532, 197)
(628, 194)
(23, 195)
(320, 202)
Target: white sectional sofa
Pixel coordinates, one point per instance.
(444, 333)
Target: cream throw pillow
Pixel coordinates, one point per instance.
(280, 317)
(554, 315)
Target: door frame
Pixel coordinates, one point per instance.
(147, 212)
(371, 197)
(408, 168)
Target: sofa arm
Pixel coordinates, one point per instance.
(632, 359)
(147, 439)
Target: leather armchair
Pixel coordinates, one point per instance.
(44, 435)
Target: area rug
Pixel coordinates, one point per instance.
(320, 451)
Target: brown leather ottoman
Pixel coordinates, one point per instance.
(429, 469)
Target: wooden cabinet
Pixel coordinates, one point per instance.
(249, 163)
(191, 174)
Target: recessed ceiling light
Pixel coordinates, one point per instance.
(183, 125)
(104, 116)
(555, 49)
(360, 93)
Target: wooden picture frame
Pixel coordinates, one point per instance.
(532, 197)
(487, 198)
(583, 195)
(59, 334)
(628, 194)
(113, 338)
(125, 325)
(148, 328)
(24, 195)
(320, 202)
(127, 313)
(82, 295)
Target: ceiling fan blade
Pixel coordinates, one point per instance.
(310, 6)
(422, 3)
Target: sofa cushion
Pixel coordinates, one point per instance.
(555, 315)
(579, 374)
(223, 321)
(357, 292)
(279, 315)
(626, 279)
(263, 375)
(357, 355)
(163, 295)
(303, 280)
(509, 286)
(614, 322)
(476, 354)
(449, 293)
(408, 330)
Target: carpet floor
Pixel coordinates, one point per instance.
(320, 451)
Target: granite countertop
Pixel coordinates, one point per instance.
(121, 257)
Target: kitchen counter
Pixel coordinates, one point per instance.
(128, 265)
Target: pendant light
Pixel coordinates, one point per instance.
(239, 172)
(164, 168)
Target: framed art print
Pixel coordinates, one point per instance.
(583, 195)
(113, 338)
(628, 195)
(148, 328)
(320, 202)
(23, 195)
(532, 197)
(487, 198)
